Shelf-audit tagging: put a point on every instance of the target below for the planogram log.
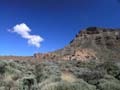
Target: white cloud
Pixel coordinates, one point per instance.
(24, 31)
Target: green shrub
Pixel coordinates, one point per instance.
(2, 67)
(46, 70)
(111, 68)
(82, 85)
(109, 85)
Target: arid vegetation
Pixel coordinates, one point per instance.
(59, 75)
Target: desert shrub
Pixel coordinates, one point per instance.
(84, 70)
(67, 64)
(92, 75)
(89, 64)
(46, 82)
(2, 88)
(78, 72)
(111, 68)
(16, 76)
(109, 78)
(118, 64)
(87, 74)
(9, 85)
(109, 86)
(11, 72)
(76, 65)
(109, 83)
(1, 83)
(16, 64)
(118, 75)
(2, 67)
(82, 85)
(94, 82)
(28, 83)
(46, 70)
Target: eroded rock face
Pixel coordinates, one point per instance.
(46, 56)
(81, 54)
(85, 54)
(87, 44)
(97, 36)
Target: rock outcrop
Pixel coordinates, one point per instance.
(88, 44)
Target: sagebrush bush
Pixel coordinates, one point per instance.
(47, 70)
(109, 85)
(2, 67)
(82, 85)
(110, 68)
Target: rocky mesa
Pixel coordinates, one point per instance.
(89, 44)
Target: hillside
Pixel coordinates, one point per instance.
(91, 43)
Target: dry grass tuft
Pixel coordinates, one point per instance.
(68, 77)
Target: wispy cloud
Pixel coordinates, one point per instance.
(24, 31)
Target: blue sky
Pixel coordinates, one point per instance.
(56, 21)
